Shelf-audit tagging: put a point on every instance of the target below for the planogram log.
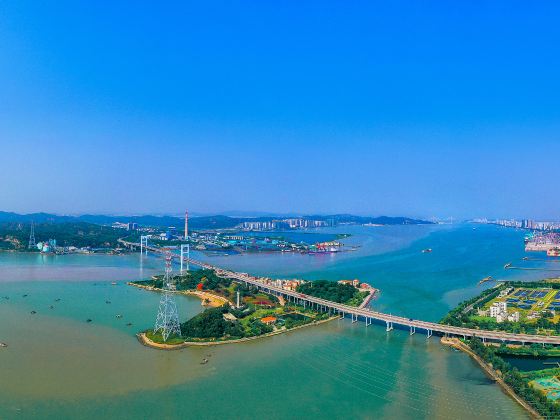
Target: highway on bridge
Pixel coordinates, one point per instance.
(365, 314)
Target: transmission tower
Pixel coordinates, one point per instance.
(32, 243)
(167, 321)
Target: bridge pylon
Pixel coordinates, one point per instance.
(143, 244)
(188, 248)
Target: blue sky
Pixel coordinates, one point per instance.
(399, 108)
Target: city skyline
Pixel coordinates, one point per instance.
(292, 110)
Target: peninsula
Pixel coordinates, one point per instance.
(239, 312)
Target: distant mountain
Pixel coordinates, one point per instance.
(200, 222)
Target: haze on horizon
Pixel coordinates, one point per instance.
(399, 108)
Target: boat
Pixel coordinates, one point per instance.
(204, 361)
(114, 283)
(3, 345)
(485, 279)
(425, 251)
(508, 265)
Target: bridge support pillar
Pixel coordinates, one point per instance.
(368, 322)
(412, 329)
(354, 318)
(389, 326)
(430, 332)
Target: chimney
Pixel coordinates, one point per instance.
(186, 224)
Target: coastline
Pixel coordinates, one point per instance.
(491, 373)
(214, 300)
(143, 339)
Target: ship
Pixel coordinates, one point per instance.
(425, 251)
(508, 265)
(325, 248)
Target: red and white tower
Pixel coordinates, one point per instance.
(186, 224)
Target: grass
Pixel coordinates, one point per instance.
(158, 338)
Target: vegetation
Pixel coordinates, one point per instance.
(333, 291)
(466, 313)
(534, 350)
(518, 381)
(227, 322)
(197, 280)
(458, 316)
(211, 324)
(15, 235)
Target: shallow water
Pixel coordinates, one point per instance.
(59, 366)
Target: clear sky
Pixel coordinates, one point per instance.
(400, 108)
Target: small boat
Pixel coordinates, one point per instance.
(33, 312)
(89, 320)
(25, 295)
(204, 361)
(118, 316)
(425, 251)
(51, 307)
(114, 283)
(129, 324)
(485, 279)
(3, 345)
(107, 301)
(508, 265)
(57, 300)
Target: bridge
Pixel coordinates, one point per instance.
(364, 314)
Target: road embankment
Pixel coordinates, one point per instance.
(491, 373)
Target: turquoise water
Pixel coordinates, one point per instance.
(59, 366)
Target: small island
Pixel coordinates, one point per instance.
(240, 312)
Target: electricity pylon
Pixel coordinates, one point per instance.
(167, 321)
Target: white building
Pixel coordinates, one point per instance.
(498, 308)
(514, 317)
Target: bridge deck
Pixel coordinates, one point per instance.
(368, 314)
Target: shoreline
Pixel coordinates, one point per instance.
(144, 340)
(492, 374)
(214, 300)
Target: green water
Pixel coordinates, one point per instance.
(59, 366)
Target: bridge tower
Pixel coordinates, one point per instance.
(167, 321)
(32, 243)
(143, 244)
(188, 248)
